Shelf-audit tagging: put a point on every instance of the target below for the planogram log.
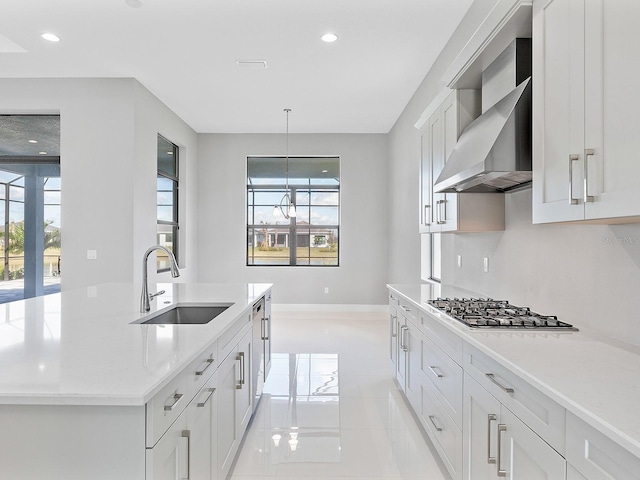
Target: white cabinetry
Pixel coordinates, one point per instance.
(453, 212)
(595, 456)
(585, 107)
(234, 398)
(498, 444)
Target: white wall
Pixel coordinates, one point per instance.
(362, 274)
(108, 147)
(404, 155)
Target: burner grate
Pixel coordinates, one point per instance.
(489, 313)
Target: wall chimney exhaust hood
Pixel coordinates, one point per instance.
(493, 153)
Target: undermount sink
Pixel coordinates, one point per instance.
(187, 315)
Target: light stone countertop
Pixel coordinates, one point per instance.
(81, 348)
(594, 377)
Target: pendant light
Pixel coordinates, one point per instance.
(286, 208)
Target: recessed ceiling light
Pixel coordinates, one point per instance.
(169, 153)
(329, 37)
(325, 171)
(33, 141)
(51, 37)
(133, 3)
(42, 153)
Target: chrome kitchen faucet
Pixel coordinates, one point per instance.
(146, 298)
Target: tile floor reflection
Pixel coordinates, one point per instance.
(330, 409)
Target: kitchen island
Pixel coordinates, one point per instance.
(86, 392)
(578, 391)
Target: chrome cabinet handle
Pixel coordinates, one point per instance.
(426, 215)
(202, 404)
(393, 325)
(262, 329)
(433, 370)
(187, 434)
(492, 377)
(439, 220)
(589, 152)
(405, 308)
(404, 347)
(240, 358)
(176, 399)
(438, 429)
(444, 209)
(572, 158)
(267, 328)
(491, 418)
(501, 428)
(207, 363)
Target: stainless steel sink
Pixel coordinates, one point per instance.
(187, 315)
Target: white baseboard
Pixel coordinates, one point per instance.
(338, 307)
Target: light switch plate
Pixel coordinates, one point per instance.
(486, 264)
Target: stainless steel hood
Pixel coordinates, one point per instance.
(493, 154)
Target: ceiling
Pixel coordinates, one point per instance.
(185, 52)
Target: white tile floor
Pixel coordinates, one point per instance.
(330, 409)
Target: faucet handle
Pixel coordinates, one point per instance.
(154, 295)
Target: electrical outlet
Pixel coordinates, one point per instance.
(326, 289)
(92, 254)
(459, 261)
(486, 264)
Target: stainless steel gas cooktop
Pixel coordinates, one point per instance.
(489, 313)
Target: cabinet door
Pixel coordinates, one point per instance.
(558, 106)
(401, 364)
(202, 427)
(227, 418)
(612, 66)
(414, 372)
(450, 132)
(436, 155)
(523, 455)
(168, 459)
(393, 334)
(481, 415)
(244, 396)
(426, 185)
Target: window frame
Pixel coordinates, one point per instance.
(293, 229)
(175, 179)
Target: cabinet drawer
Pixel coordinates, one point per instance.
(445, 375)
(408, 310)
(165, 407)
(443, 431)
(539, 412)
(201, 369)
(596, 456)
(229, 339)
(393, 300)
(445, 339)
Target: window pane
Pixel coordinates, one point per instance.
(167, 153)
(328, 197)
(165, 237)
(51, 197)
(268, 246)
(52, 183)
(16, 193)
(324, 215)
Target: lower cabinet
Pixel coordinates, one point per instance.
(234, 402)
(169, 458)
(202, 432)
(498, 444)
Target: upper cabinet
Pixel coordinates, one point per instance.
(585, 143)
(453, 212)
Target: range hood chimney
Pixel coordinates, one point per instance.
(493, 154)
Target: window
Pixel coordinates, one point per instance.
(311, 238)
(167, 201)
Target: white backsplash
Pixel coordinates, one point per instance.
(587, 275)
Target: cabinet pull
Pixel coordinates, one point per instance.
(403, 329)
(589, 152)
(176, 399)
(491, 418)
(501, 428)
(439, 220)
(393, 325)
(444, 209)
(433, 370)
(240, 358)
(426, 215)
(492, 377)
(267, 327)
(438, 429)
(207, 363)
(187, 434)
(408, 310)
(202, 404)
(572, 158)
(262, 329)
